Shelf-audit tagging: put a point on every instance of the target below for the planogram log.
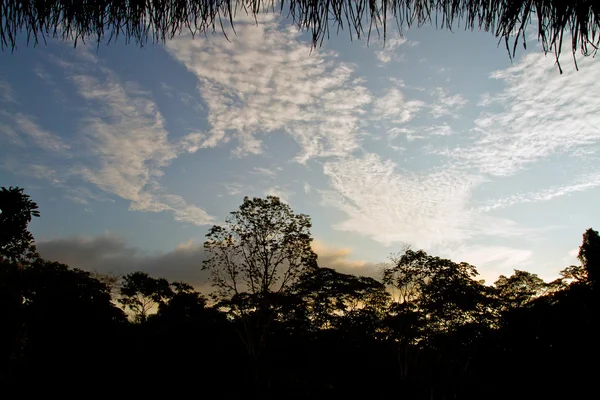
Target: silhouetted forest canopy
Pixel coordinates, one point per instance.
(160, 20)
(277, 325)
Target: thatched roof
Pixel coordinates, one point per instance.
(160, 20)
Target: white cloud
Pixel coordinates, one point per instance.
(542, 114)
(409, 133)
(446, 104)
(42, 138)
(269, 173)
(307, 188)
(7, 94)
(390, 47)
(583, 183)
(37, 171)
(266, 80)
(234, 188)
(21, 126)
(438, 130)
(398, 149)
(492, 261)
(283, 194)
(82, 195)
(485, 100)
(258, 189)
(394, 108)
(8, 132)
(393, 206)
(128, 144)
(192, 142)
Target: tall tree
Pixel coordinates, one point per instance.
(589, 255)
(332, 298)
(160, 20)
(447, 292)
(405, 275)
(262, 248)
(141, 293)
(520, 288)
(16, 212)
(260, 251)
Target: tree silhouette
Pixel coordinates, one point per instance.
(57, 322)
(141, 293)
(160, 20)
(442, 335)
(333, 299)
(16, 212)
(589, 255)
(520, 288)
(261, 250)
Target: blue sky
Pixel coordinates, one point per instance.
(436, 140)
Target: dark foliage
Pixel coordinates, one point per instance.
(160, 20)
(428, 330)
(16, 212)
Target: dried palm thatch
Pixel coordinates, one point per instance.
(160, 20)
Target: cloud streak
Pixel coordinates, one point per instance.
(266, 81)
(583, 183)
(446, 104)
(7, 94)
(22, 129)
(390, 47)
(540, 114)
(125, 134)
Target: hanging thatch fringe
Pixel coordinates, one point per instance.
(159, 20)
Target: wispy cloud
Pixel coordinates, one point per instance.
(83, 195)
(7, 131)
(280, 192)
(390, 47)
(394, 108)
(410, 134)
(394, 206)
(583, 183)
(446, 104)
(41, 137)
(192, 142)
(7, 94)
(32, 170)
(22, 128)
(234, 188)
(269, 173)
(438, 130)
(266, 80)
(259, 188)
(541, 114)
(127, 142)
(493, 261)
